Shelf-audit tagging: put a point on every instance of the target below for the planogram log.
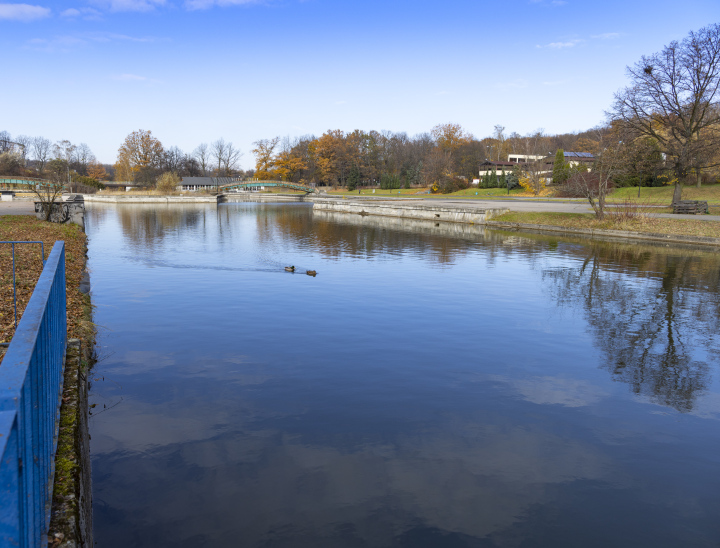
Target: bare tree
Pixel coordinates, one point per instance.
(25, 143)
(218, 151)
(49, 192)
(173, 160)
(41, 148)
(202, 155)
(232, 157)
(65, 150)
(82, 157)
(594, 184)
(673, 97)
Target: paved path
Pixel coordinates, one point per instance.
(533, 206)
(17, 207)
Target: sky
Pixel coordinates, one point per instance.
(193, 71)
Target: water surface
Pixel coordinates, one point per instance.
(433, 386)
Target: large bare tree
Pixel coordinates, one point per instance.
(202, 155)
(41, 149)
(673, 97)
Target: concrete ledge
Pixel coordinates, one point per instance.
(409, 211)
(71, 513)
(150, 199)
(616, 234)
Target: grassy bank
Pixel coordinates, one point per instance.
(680, 227)
(29, 266)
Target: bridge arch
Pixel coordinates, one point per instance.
(253, 184)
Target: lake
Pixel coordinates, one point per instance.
(435, 385)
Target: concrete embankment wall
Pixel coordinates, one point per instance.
(425, 212)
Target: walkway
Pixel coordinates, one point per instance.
(527, 206)
(17, 207)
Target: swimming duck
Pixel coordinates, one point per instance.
(312, 273)
(290, 268)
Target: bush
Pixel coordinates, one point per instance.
(11, 164)
(89, 181)
(168, 182)
(448, 184)
(580, 185)
(389, 182)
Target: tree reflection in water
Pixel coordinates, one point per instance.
(653, 314)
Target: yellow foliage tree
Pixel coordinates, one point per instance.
(264, 152)
(142, 153)
(288, 165)
(168, 182)
(450, 137)
(96, 171)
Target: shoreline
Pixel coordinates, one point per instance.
(399, 208)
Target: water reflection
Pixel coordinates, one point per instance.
(433, 386)
(653, 313)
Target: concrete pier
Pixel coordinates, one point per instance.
(414, 210)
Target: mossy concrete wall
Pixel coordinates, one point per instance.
(71, 513)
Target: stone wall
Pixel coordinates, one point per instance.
(424, 211)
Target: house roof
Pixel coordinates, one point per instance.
(206, 181)
(500, 164)
(579, 155)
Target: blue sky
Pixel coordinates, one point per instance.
(193, 71)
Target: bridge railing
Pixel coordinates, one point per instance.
(30, 389)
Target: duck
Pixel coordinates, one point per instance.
(312, 273)
(290, 268)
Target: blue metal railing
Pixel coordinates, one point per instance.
(30, 390)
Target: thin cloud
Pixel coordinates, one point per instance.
(514, 84)
(607, 36)
(561, 45)
(129, 5)
(56, 44)
(23, 12)
(129, 78)
(193, 5)
(89, 14)
(65, 43)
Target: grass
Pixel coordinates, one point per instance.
(663, 195)
(641, 223)
(422, 192)
(29, 266)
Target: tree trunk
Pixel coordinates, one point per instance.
(699, 178)
(677, 194)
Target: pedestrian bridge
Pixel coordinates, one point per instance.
(258, 184)
(17, 181)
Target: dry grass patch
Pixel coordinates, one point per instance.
(29, 266)
(641, 223)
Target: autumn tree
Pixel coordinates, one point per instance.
(142, 155)
(288, 166)
(450, 137)
(673, 97)
(264, 152)
(96, 171)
